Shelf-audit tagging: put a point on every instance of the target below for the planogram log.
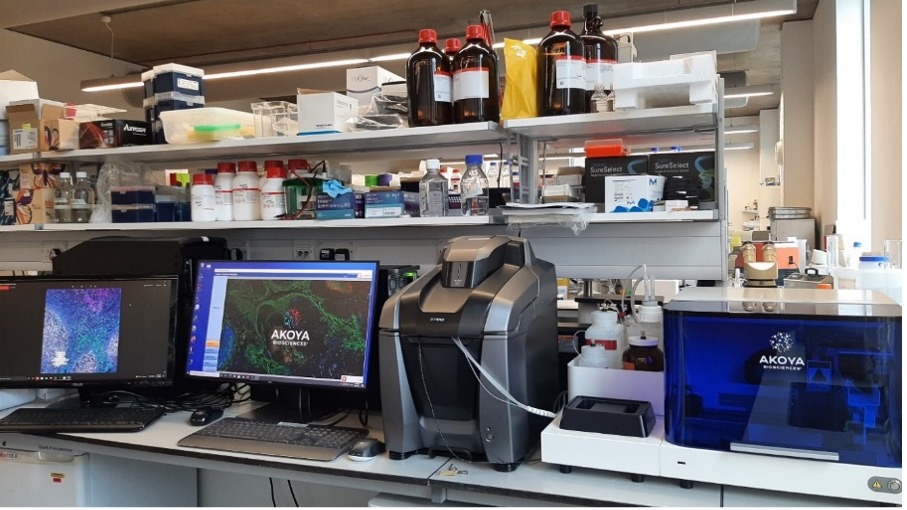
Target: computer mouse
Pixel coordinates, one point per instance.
(204, 416)
(365, 449)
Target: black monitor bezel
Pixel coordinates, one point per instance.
(108, 383)
(307, 384)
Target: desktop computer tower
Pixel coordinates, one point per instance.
(138, 256)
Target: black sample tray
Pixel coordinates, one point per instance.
(634, 418)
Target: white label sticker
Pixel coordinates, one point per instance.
(471, 83)
(570, 72)
(600, 71)
(187, 84)
(442, 86)
(25, 139)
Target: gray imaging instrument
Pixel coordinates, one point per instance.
(494, 297)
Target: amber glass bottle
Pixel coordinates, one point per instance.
(428, 83)
(600, 51)
(451, 48)
(561, 69)
(475, 80)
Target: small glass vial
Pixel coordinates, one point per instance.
(644, 354)
(601, 101)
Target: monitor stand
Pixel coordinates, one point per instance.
(292, 405)
(85, 398)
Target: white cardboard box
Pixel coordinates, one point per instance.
(14, 87)
(632, 193)
(325, 112)
(364, 82)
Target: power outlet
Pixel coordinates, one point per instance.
(338, 245)
(304, 252)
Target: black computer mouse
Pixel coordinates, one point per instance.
(365, 449)
(204, 416)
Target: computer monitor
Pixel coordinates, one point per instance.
(297, 325)
(95, 333)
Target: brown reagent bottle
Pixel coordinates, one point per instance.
(561, 69)
(428, 83)
(475, 80)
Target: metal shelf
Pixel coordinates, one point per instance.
(689, 118)
(361, 145)
(655, 216)
(13, 161)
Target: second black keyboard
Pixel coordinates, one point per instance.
(37, 420)
(310, 442)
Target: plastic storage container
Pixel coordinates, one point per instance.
(206, 125)
(203, 199)
(273, 204)
(223, 191)
(246, 192)
(275, 118)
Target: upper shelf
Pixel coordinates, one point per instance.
(689, 118)
(353, 146)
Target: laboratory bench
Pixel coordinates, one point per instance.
(153, 454)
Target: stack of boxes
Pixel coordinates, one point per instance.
(34, 199)
(171, 87)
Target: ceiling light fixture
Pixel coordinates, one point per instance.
(700, 16)
(135, 80)
(734, 11)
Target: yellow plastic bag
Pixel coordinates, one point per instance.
(520, 86)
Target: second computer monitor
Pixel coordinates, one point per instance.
(299, 323)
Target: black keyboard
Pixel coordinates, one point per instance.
(88, 419)
(310, 442)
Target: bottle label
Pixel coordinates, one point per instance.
(471, 188)
(442, 86)
(471, 83)
(223, 197)
(78, 203)
(570, 71)
(245, 196)
(609, 345)
(600, 71)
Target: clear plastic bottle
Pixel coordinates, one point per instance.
(600, 51)
(63, 199)
(82, 199)
(476, 90)
(433, 191)
(561, 69)
(273, 202)
(246, 192)
(474, 188)
(608, 333)
(428, 83)
(223, 191)
(203, 197)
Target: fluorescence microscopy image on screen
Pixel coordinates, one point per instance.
(81, 331)
(294, 328)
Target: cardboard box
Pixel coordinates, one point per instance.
(599, 168)
(334, 208)
(40, 125)
(384, 204)
(39, 175)
(324, 112)
(34, 206)
(697, 171)
(15, 87)
(364, 82)
(632, 193)
(9, 181)
(107, 134)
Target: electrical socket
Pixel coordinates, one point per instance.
(337, 245)
(303, 252)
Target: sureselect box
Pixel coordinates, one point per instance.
(599, 168)
(632, 193)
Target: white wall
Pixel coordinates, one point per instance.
(59, 70)
(743, 186)
(797, 178)
(886, 170)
